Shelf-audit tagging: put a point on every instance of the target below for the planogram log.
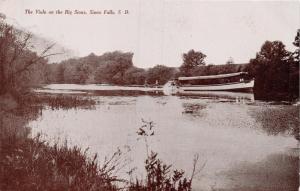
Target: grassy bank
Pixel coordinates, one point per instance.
(31, 164)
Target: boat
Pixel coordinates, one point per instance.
(240, 82)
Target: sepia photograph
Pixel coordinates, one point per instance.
(157, 95)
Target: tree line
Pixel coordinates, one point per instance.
(116, 68)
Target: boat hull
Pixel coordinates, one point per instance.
(239, 86)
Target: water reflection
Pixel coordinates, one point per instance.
(224, 132)
(238, 97)
(195, 110)
(279, 119)
(276, 172)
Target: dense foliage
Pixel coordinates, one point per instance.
(276, 72)
(31, 164)
(114, 68)
(191, 60)
(20, 67)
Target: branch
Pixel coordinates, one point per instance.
(22, 48)
(194, 172)
(48, 48)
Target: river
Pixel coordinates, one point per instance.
(242, 144)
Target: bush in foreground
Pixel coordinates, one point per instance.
(32, 164)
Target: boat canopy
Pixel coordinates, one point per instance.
(211, 76)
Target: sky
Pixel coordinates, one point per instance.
(160, 31)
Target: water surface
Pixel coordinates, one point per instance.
(243, 145)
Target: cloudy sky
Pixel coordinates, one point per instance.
(159, 31)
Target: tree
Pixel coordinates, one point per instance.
(297, 44)
(136, 76)
(271, 69)
(160, 74)
(19, 66)
(191, 60)
(113, 67)
(294, 69)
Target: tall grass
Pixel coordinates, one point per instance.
(159, 175)
(57, 101)
(31, 164)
